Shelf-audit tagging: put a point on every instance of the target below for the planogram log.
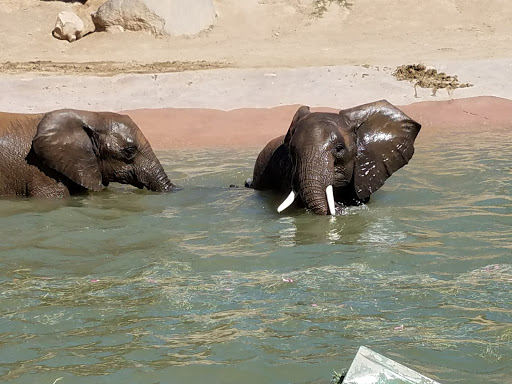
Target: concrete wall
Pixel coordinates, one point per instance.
(183, 17)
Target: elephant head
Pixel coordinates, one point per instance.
(90, 149)
(344, 157)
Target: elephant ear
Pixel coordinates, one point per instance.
(385, 143)
(67, 144)
(301, 112)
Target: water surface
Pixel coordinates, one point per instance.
(210, 284)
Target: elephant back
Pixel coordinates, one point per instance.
(16, 133)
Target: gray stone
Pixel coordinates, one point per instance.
(85, 12)
(159, 17)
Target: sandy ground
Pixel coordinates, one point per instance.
(263, 54)
(280, 33)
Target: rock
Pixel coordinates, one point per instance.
(73, 26)
(159, 17)
(133, 15)
(85, 12)
(68, 27)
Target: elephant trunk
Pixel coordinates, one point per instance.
(313, 178)
(314, 197)
(150, 174)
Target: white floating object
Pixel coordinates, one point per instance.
(369, 367)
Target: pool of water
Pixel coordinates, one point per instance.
(211, 285)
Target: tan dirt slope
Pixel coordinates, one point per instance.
(275, 33)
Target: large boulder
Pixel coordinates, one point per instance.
(160, 17)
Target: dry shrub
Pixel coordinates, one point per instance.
(425, 77)
(320, 6)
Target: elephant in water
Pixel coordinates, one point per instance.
(328, 160)
(68, 151)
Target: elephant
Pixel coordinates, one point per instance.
(330, 160)
(68, 151)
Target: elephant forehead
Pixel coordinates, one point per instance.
(321, 126)
(321, 118)
(121, 128)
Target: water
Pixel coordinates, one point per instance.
(210, 284)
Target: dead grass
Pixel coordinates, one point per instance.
(105, 68)
(424, 77)
(321, 6)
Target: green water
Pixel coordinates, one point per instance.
(211, 285)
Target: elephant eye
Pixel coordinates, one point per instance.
(338, 150)
(129, 152)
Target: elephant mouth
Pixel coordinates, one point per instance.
(329, 194)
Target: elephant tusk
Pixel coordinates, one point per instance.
(330, 200)
(287, 202)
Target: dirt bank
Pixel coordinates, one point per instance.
(176, 128)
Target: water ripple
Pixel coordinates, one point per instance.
(124, 285)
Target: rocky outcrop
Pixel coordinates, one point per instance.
(159, 17)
